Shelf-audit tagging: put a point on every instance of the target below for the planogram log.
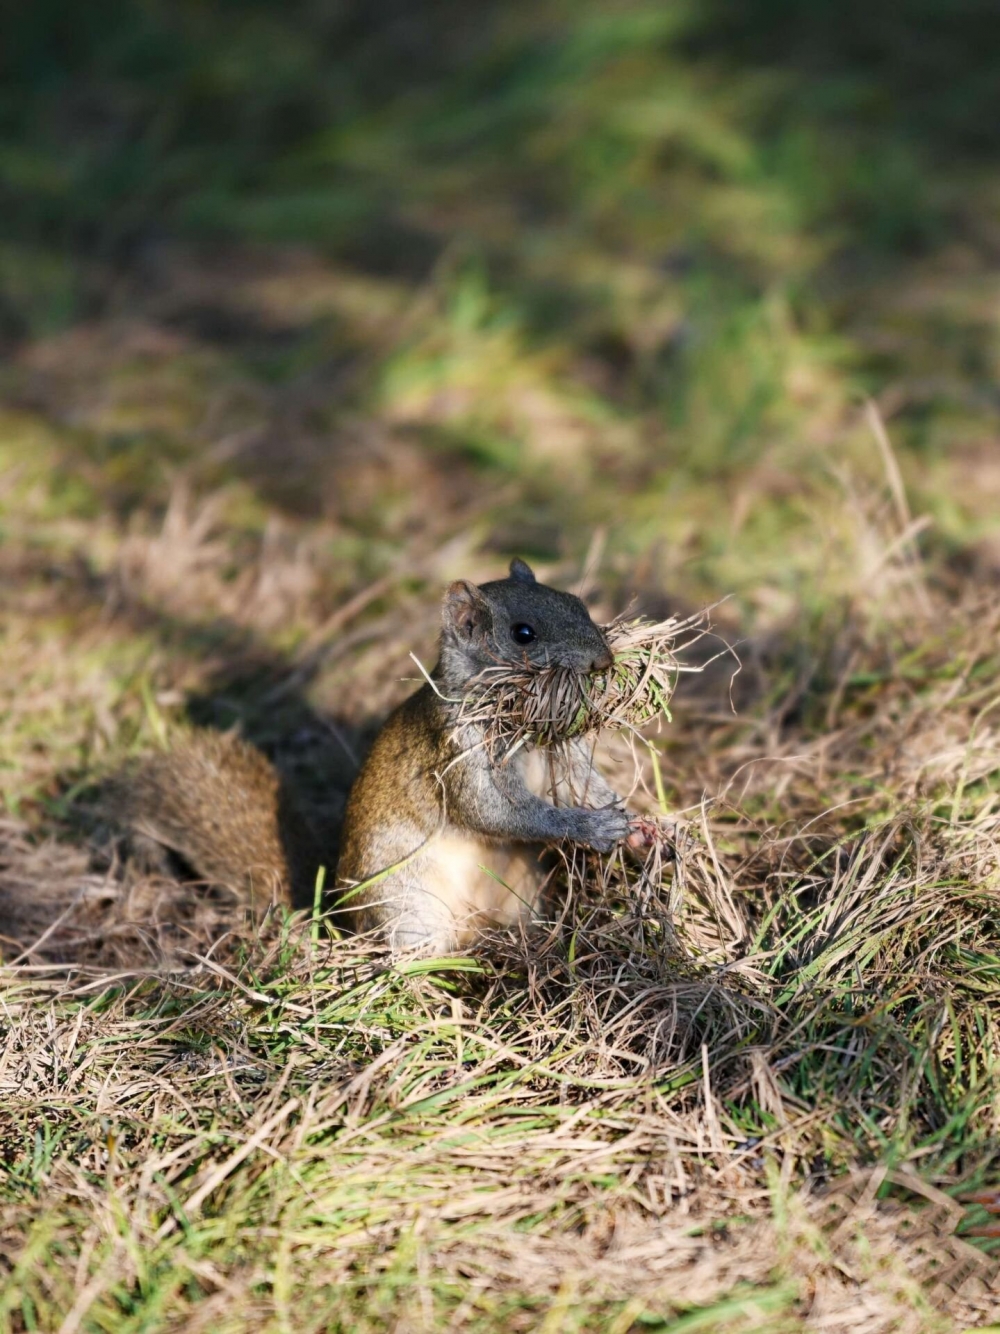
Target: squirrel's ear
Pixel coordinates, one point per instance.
(522, 571)
(464, 609)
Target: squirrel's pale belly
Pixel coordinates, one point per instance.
(475, 883)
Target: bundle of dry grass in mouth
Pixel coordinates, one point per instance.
(518, 703)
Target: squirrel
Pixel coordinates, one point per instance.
(441, 835)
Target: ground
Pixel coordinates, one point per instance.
(305, 316)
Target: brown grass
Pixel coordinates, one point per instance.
(518, 704)
(674, 1097)
(269, 1125)
(748, 1083)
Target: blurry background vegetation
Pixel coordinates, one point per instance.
(563, 263)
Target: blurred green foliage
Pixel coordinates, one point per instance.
(320, 119)
(712, 227)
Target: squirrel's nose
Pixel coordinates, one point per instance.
(602, 661)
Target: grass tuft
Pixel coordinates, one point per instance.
(520, 704)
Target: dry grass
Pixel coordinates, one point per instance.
(751, 1083)
(601, 1126)
(518, 704)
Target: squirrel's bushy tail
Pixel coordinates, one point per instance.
(214, 802)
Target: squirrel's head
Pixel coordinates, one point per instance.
(517, 619)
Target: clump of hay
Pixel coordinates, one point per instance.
(518, 703)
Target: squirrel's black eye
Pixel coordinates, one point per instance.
(521, 633)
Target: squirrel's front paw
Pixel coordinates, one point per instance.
(602, 829)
